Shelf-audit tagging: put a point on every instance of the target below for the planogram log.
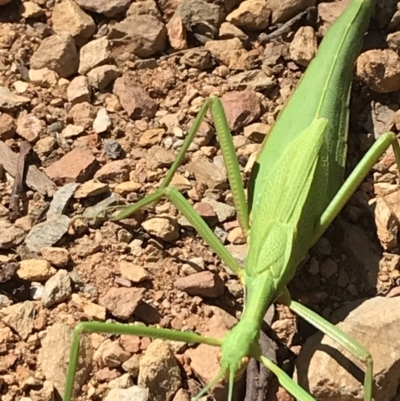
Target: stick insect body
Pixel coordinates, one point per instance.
(296, 189)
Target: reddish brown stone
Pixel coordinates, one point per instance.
(76, 166)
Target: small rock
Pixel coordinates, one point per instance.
(151, 137)
(10, 101)
(230, 31)
(57, 289)
(109, 8)
(283, 11)
(236, 236)
(95, 53)
(208, 173)
(335, 375)
(54, 356)
(142, 35)
(45, 146)
(159, 371)
(176, 33)
(256, 132)
(7, 127)
(78, 90)
(122, 302)
(164, 228)
(224, 212)
(328, 268)
(115, 171)
(232, 54)
(68, 17)
(127, 187)
(60, 200)
(56, 256)
(21, 86)
(386, 222)
(241, 108)
(134, 98)
(132, 272)
(144, 7)
(91, 188)
(20, 317)
(31, 10)
(198, 58)
(206, 211)
(124, 381)
(72, 131)
(44, 77)
(102, 122)
(132, 393)
(132, 366)
(200, 16)
(256, 80)
(329, 13)
(83, 114)
(35, 270)
(379, 70)
(30, 127)
(10, 235)
(92, 310)
(76, 166)
(158, 157)
(58, 53)
(113, 149)
(252, 15)
(202, 284)
(113, 355)
(304, 46)
(101, 77)
(47, 233)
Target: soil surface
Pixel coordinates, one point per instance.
(96, 98)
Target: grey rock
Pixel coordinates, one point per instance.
(47, 233)
(57, 289)
(60, 200)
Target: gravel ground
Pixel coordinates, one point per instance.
(96, 98)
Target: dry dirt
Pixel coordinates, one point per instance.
(117, 131)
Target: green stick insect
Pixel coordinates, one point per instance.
(296, 189)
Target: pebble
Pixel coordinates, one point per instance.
(133, 272)
(113, 149)
(122, 302)
(136, 393)
(91, 188)
(94, 54)
(35, 270)
(20, 317)
(204, 284)
(159, 371)
(60, 200)
(374, 323)
(58, 53)
(47, 233)
(78, 165)
(134, 99)
(54, 355)
(379, 70)
(252, 15)
(102, 122)
(164, 228)
(57, 289)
